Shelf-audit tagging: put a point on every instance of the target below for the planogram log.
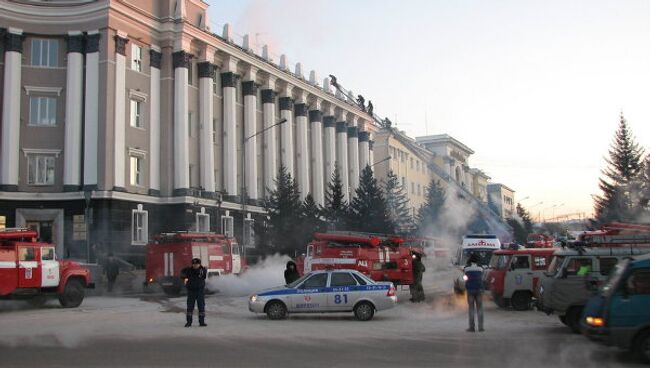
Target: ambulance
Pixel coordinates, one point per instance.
(379, 256)
(169, 253)
(29, 270)
(514, 274)
(480, 246)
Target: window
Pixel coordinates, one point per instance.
(579, 266)
(136, 114)
(3, 222)
(521, 262)
(202, 221)
(139, 226)
(45, 52)
(412, 187)
(214, 83)
(540, 262)
(404, 185)
(639, 282)
(47, 254)
(189, 124)
(225, 249)
(40, 170)
(359, 279)
(136, 171)
(411, 162)
(342, 279)
(26, 254)
(42, 111)
(607, 265)
(249, 233)
(190, 71)
(419, 189)
(316, 281)
(136, 57)
(214, 131)
(227, 225)
(417, 165)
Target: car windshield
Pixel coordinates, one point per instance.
(614, 278)
(483, 255)
(556, 263)
(297, 282)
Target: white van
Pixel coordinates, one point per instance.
(478, 245)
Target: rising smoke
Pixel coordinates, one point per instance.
(265, 274)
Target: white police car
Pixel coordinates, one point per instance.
(324, 292)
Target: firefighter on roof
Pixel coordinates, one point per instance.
(195, 284)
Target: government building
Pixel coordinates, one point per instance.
(122, 119)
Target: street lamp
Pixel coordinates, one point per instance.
(243, 174)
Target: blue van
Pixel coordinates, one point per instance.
(620, 316)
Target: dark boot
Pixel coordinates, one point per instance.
(189, 320)
(202, 321)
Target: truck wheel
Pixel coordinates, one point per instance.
(573, 316)
(73, 294)
(641, 347)
(521, 300)
(500, 301)
(364, 311)
(276, 310)
(563, 320)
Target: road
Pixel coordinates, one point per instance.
(147, 331)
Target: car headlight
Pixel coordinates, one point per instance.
(464, 277)
(253, 298)
(595, 321)
(541, 290)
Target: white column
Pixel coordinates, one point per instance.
(155, 57)
(364, 150)
(11, 111)
(228, 82)
(181, 60)
(342, 155)
(317, 180)
(353, 157)
(329, 151)
(302, 148)
(249, 89)
(286, 132)
(91, 113)
(119, 152)
(270, 156)
(73, 111)
(206, 115)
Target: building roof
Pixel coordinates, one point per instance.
(493, 185)
(479, 172)
(441, 139)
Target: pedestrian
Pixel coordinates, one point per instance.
(474, 287)
(112, 270)
(195, 285)
(291, 273)
(416, 289)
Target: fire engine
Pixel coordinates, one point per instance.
(382, 257)
(514, 275)
(30, 271)
(169, 253)
(539, 241)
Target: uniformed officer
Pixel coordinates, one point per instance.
(195, 284)
(417, 291)
(474, 287)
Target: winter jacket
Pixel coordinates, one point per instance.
(112, 268)
(474, 278)
(195, 278)
(418, 270)
(289, 274)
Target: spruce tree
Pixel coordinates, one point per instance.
(398, 204)
(336, 207)
(525, 218)
(311, 219)
(644, 180)
(619, 201)
(283, 207)
(368, 212)
(430, 211)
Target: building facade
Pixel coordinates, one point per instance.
(125, 118)
(501, 200)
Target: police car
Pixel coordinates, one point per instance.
(326, 291)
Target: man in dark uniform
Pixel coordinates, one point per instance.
(112, 269)
(417, 291)
(195, 284)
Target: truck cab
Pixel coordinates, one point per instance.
(620, 315)
(514, 274)
(574, 276)
(29, 270)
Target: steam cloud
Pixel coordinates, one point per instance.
(264, 275)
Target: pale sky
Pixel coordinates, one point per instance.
(535, 88)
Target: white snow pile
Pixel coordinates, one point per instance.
(266, 274)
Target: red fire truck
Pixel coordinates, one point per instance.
(382, 257)
(169, 253)
(30, 271)
(514, 275)
(539, 241)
